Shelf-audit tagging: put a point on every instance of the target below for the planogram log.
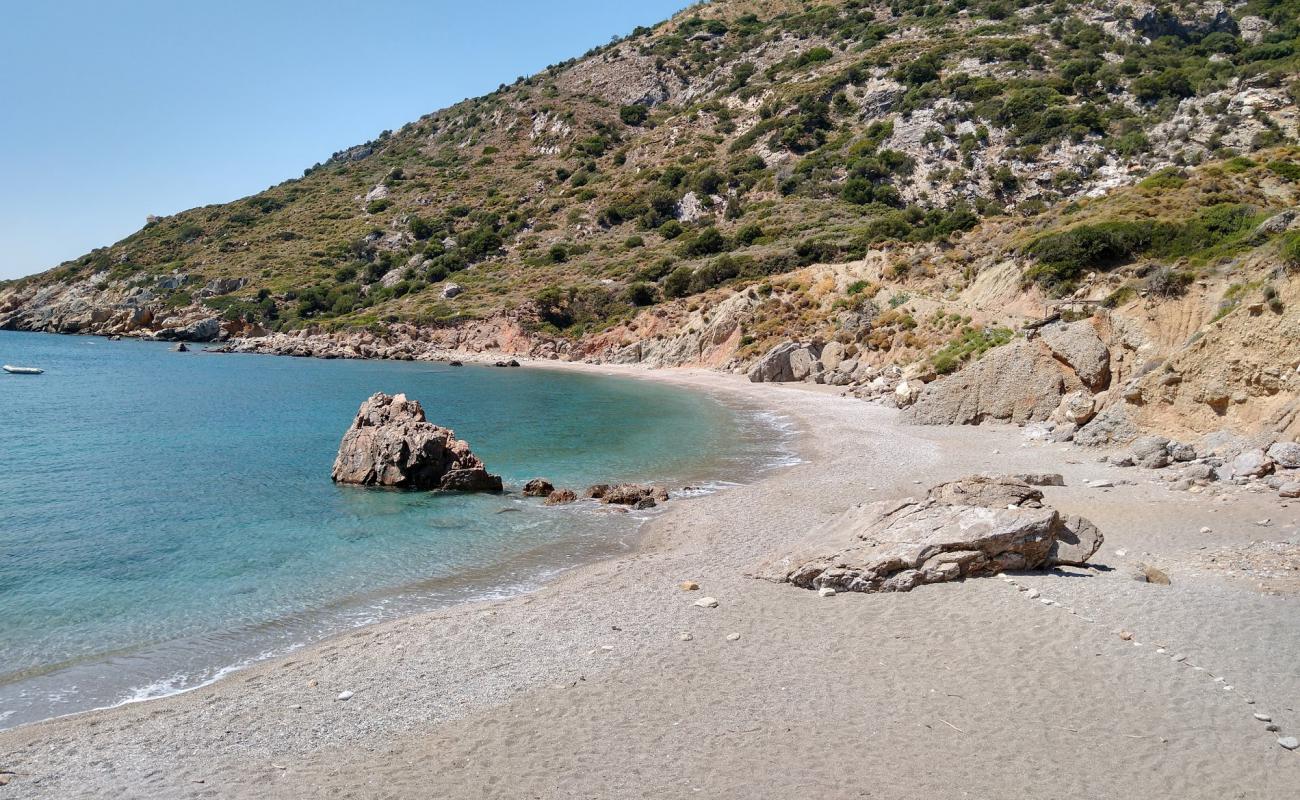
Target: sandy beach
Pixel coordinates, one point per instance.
(610, 682)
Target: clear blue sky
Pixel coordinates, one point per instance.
(111, 110)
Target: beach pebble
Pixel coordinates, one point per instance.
(689, 586)
(707, 602)
(1121, 553)
(1033, 594)
(826, 591)
(1271, 728)
(685, 637)
(733, 637)
(1179, 658)
(1289, 742)
(1125, 635)
(1250, 701)
(1263, 717)
(345, 696)
(1206, 529)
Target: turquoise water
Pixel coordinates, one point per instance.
(165, 517)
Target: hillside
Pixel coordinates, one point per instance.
(912, 180)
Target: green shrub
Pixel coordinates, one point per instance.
(748, 234)
(422, 228)
(1290, 249)
(678, 282)
(633, 115)
(378, 206)
(1167, 178)
(705, 243)
(641, 293)
(972, 344)
(814, 56)
(1287, 170)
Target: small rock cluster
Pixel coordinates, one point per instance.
(627, 494)
(833, 364)
(1256, 461)
(624, 494)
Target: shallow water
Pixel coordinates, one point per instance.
(166, 517)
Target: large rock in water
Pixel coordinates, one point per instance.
(963, 529)
(391, 443)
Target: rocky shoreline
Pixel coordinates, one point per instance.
(674, 637)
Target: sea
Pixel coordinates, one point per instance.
(167, 518)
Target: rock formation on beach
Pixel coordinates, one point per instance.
(390, 443)
(975, 526)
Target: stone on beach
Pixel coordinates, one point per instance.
(390, 443)
(707, 602)
(963, 529)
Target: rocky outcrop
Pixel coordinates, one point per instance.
(786, 362)
(538, 487)
(561, 497)
(390, 443)
(1018, 382)
(1078, 346)
(628, 494)
(1050, 376)
(895, 546)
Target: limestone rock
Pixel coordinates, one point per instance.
(1251, 464)
(1151, 452)
(1078, 345)
(1286, 454)
(1075, 543)
(786, 362)
(390, 443)
(989, 491)
(1018, 382)
(1111, 426)
(1076, 407)
(898, 545)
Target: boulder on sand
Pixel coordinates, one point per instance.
(786, 362)
(391, 443)
(963, 529)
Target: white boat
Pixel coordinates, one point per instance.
(22, 370)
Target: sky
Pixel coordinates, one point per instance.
(111, 110)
